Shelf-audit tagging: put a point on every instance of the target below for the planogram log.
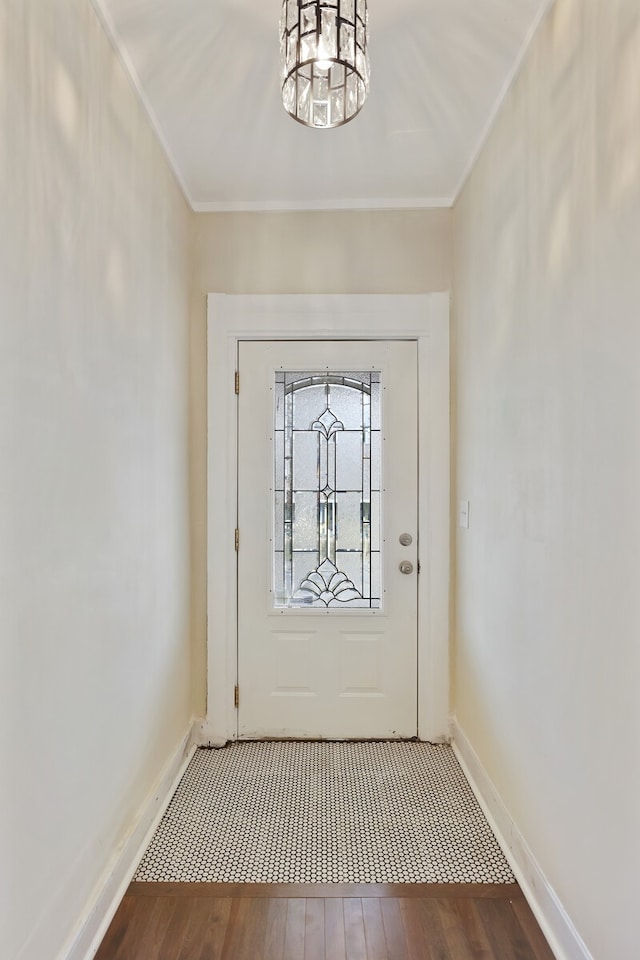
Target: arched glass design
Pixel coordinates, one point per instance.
(326, 523)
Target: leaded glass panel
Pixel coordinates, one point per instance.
(327, 478)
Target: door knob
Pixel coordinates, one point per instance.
(406, 567)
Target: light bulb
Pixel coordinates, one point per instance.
(322, 55)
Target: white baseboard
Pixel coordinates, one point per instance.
(555, 923)
(93, 924)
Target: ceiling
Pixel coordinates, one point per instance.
(208, 74)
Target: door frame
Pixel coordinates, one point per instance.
(423, 318)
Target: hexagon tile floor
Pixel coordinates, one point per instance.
(324, 813)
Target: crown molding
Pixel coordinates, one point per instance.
(283, 206)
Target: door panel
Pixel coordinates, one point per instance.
(327, 621)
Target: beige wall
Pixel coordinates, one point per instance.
(547, 295)
(94, 559)
(324, 252)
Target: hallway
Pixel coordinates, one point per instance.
(126, 286)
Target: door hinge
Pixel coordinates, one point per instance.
(237, 382)
(236, 539)
(236, 696)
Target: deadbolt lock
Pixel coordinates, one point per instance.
(406, 539)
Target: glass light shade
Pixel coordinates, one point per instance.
(324, 59)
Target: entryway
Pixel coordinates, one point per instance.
(283, 811)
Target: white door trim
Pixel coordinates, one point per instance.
(424, 318)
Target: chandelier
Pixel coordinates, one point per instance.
(325, 61)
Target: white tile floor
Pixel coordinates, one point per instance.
(322, 813)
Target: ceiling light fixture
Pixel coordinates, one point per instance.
(325, 60)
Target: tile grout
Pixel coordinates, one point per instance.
(324, 812)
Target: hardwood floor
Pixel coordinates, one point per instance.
(217, 921)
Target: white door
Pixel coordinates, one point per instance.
(327, 520)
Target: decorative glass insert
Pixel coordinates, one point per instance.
(327, 443)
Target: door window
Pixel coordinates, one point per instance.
(327, 480)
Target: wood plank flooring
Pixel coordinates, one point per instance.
(218, 921)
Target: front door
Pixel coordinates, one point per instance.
(327, 558)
